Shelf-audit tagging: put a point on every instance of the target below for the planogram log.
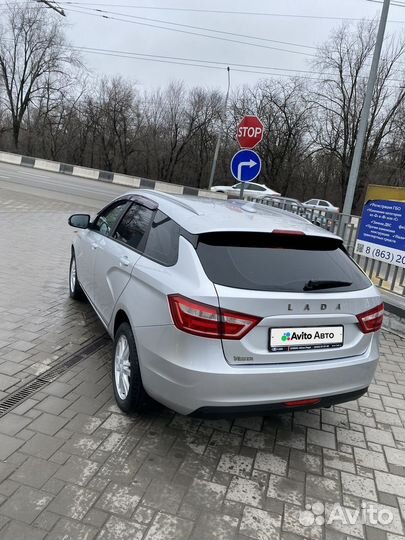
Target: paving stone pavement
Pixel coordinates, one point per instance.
(73, 467)
(38, 324)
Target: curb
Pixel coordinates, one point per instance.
(105, 176)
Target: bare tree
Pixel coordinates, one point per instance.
(339, 100)
(207, 106)
(54, 125)
(33, 54)
(118, 122)
(178, 121)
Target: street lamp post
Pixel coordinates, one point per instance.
(220, 132)
(365, 113)
(53, 6)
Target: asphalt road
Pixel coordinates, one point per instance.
(57, 186)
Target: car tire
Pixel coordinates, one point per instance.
(129, 392)
(75, 290)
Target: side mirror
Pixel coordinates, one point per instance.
(79, 221)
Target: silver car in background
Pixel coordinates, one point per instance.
(220, 307)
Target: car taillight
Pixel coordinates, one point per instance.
(209, 321)
(371, 320)
(288, 233)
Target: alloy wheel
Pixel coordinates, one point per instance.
(73, 275)
(122, 367)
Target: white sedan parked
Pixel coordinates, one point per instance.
(251, 189)
(321, 204)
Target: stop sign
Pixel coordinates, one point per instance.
(250, 132)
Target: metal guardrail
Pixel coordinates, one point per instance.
(386, 276)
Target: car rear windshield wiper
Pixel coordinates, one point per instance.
(325, 284)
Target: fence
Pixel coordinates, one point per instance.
(386, 276)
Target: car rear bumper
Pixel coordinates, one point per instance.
(191, 376)
(269, 408)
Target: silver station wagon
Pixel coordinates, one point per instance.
(225, 307)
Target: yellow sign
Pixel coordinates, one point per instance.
(385, 193)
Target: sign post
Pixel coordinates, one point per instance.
(382, 232)
(246, 164)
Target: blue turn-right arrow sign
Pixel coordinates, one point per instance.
(246, 165)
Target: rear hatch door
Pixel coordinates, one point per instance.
(306, 290)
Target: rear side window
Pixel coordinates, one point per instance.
(254, 187)
(162, 244)
(134, 226)
(271, 262)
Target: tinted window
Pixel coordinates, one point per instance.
(312, 201)
(163, 240)
(133, 226)
(270, 262)
(257, 188)
(107, 220)
(323, 203)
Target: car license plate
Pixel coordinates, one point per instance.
(305, 338)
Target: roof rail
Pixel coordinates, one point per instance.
(173, 199)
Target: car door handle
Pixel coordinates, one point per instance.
(94, 245)
(124, 261)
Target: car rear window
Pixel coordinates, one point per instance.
(277, 262)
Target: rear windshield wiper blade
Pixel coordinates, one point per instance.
(325, 284)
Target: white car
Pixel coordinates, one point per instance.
(253, 190)
(321, 204)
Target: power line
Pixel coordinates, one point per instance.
(284, 72)
(220, 11)
(199, 34)
(200, 63)
(196, 63)
(211, 64)
(148, 19)
(129, 54)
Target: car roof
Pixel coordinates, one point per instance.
(202, 214)
(251, 184)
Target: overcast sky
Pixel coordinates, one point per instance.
(90, 30)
